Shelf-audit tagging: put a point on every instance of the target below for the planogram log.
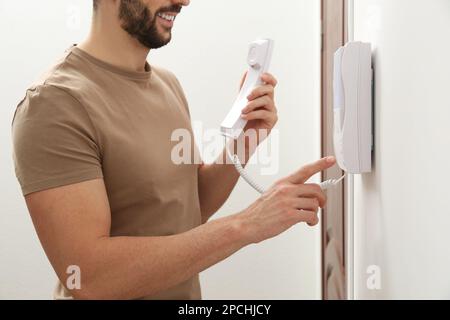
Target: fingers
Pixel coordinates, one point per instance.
(263, 102)
(266, 90)
(307, 204)
(267, 116)
(268, 78)
(307, 211)
(314, 219)
(306, 172)
(313, 191)
(310, 217)
(309, 191)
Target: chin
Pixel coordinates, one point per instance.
(163, 41)
(166, 37)
(164, 33)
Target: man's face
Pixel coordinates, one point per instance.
(150, 21)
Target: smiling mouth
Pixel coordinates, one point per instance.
(166, 16)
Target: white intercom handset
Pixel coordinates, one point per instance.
(259, 58)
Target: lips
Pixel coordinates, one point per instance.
(167, 16)
(167, 19)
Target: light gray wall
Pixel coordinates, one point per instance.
(402, 210)
(33, 35)
(208, 55)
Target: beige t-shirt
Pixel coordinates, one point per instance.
(87, 119)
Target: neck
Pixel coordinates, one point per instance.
(107, 41)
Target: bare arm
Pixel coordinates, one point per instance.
(217, 181)
(73, 225)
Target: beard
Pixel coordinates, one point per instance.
(140, 23)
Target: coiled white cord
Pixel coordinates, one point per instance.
(331, 183)
(240, 169)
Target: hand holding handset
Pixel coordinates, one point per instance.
(258, 60)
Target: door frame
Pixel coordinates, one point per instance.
(336, 281)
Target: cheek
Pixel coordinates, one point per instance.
(153, 5)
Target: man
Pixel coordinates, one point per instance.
(92, 146)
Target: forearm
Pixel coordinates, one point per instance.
(217, 180)
(130, 268)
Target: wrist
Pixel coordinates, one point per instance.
(242, 229)
(245, 230)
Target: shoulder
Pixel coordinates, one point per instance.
(56, 92)
(163, 72)
(48, 115)
(68, 80)
(46, 102)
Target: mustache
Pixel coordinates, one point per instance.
(173, 8)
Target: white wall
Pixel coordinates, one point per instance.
(401, 210)
(208, 54)
(33, 35)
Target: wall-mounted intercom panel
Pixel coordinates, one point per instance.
(353, 81)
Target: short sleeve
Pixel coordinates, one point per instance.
(54, 141)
